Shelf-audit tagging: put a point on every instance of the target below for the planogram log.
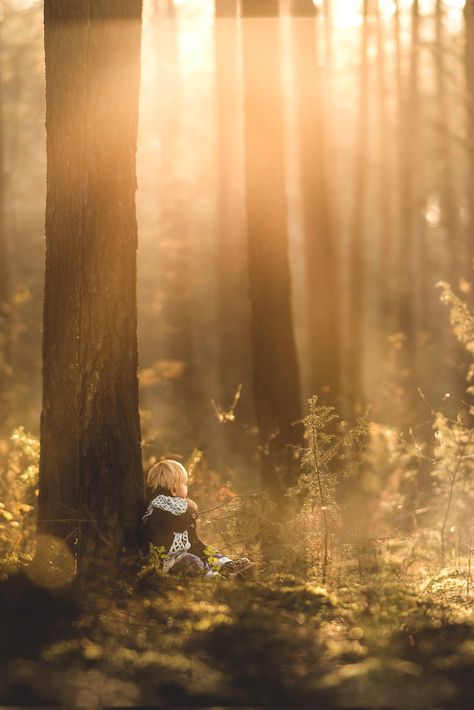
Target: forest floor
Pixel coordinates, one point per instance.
(150, 640)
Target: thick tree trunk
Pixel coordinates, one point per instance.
(5, 355)
(90, 471)
(276, 378)
(322, 277)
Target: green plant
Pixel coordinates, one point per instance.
(454, 451)
(18, 494)
(156, 555)
(212, 559)
(462, 322)
(328, 457)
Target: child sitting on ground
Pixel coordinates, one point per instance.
(170, 524)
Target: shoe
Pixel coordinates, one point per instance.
(239, 568)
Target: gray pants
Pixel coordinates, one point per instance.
(193, 565)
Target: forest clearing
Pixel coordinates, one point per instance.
(236, 261)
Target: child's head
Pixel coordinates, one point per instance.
(170, 475)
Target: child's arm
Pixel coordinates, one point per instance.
(182, 522)
(165, 520)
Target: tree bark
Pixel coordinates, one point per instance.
(5, 353)
(275, 367)
(91, 484)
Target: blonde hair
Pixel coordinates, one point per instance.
(166, 474)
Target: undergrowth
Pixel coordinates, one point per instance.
(366, 600)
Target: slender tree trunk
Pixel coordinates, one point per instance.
(356, 263)
(449, 200)
(385, 284)
(276, 377)
(90, 470)
(469, 61)
(322, 277)
(233, 316)
(449, 204)
(408, 102)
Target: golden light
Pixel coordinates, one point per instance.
(454, 4)
(454, 15)
(346, 13)
(387, 8)
(54, 565)
(432, 211)
(426, 7)
(22, 4)
(195, 21)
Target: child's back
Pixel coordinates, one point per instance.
(170, 525)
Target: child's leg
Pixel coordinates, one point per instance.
(189, 564)
(211, 557)
(220, 559)
(224, 565)
(240, 567)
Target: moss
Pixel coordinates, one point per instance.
(264, 642)
(305, 596)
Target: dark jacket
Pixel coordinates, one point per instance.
(170, 523)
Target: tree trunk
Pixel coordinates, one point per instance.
(91, 484)
(454, 254)
(175, 240)
(356, 263)
(449, 199)
(276, 378)
(233, 318)
(5, 354)
(408, 118)
(469, 60)
(385, 140)
(322, 277)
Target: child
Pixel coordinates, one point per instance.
(170, 523)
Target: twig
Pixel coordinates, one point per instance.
(16, 542)
(451, 491)
(228, 500)
(314, 449)
(74, 520)
(433, 578)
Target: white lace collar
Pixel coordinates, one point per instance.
(172, 504)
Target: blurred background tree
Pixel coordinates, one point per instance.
(275, 367)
